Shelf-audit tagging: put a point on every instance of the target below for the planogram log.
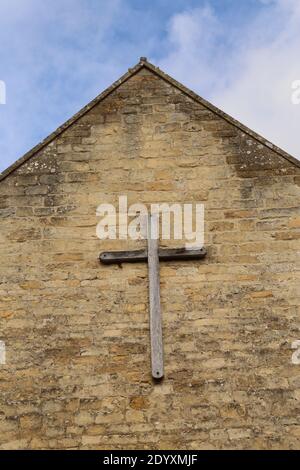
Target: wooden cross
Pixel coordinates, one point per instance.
(153, 255)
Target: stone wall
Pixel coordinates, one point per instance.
(77, 373)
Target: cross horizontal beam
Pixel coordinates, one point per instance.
(165, 254)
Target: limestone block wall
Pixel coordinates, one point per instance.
(77, 372)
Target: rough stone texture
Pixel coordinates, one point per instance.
(77, 336)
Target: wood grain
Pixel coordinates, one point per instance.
(154, 299)
(165, 254)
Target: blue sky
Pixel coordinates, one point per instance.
(241, 55)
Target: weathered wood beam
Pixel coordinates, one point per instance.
(164, 254)
(156, 337)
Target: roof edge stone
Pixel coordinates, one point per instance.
(132, 71)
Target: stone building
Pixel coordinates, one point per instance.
(76, 333)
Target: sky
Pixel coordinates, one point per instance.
(243, 56)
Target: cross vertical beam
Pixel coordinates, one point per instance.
(157, 360)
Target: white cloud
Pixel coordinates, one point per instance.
(252, 79)
(193, 45)
(53, 60)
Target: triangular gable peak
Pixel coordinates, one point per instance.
(143, 63)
